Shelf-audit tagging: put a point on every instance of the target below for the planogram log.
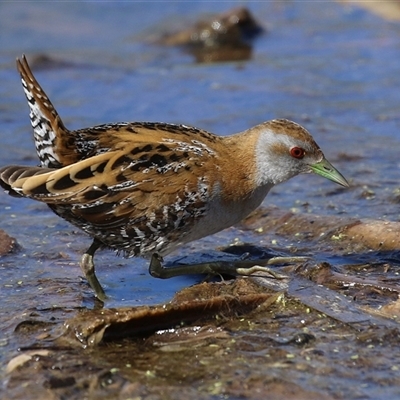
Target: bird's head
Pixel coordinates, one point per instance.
(285, 149)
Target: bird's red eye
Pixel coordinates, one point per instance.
(297, 152)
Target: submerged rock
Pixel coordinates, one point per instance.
(7, 243)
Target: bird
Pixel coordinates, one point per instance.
(146, 188)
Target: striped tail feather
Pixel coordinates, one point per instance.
(47, 125)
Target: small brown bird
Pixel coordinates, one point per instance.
(145, 188)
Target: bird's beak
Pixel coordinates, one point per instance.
(327, 170)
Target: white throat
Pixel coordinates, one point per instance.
(271, 168)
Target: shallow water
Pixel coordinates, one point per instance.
(333, 68)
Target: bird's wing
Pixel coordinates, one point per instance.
(170, 181)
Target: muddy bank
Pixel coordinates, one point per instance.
(321, 323)
(228, 351)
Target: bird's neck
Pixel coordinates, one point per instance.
(239, 168)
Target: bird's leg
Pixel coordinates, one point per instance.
(87, 267)
(237, 267)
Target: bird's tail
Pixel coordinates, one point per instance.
(49, 130)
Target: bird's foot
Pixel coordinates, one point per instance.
(234, 268)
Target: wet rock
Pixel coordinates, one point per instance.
(375, 235)
(390, 310)
(23, 358)
(395, 196)
(225, 37)
(277, 389)
(7, 243)
(198, 303)
(342, 233)
(300, 339)
(181, 338)
(55, 382)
